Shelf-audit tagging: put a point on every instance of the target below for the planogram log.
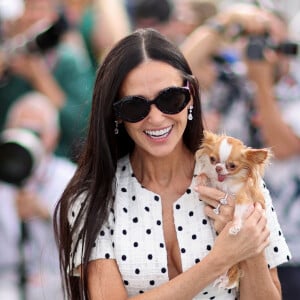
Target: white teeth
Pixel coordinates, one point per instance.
(158, 133)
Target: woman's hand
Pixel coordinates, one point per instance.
(249, 242)
(213, 199)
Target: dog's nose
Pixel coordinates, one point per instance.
(219, 169)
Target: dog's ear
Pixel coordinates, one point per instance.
(208, 141)
(209, 137)
(258, 156)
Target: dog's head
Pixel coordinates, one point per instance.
(225, 157)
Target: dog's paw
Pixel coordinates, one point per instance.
(222, 281)
(235, 229)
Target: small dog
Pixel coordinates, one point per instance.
(228, 165)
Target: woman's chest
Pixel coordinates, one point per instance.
(150, 238)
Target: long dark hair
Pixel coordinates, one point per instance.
(94, 178)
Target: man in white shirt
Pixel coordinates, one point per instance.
(31, 203)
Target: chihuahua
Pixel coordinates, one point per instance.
(228, 165)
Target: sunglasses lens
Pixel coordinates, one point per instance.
(173, 100)
(133, 109)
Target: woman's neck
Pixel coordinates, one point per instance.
(163, 172)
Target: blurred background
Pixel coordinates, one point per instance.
(50, 51)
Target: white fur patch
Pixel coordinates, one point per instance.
(225, 150)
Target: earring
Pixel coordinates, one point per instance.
(116, 130)
(190, 115)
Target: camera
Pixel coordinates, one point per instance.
(258, 43)
(42, 38)
(46, 37)
(21, 151)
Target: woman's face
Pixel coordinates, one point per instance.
(158, 134)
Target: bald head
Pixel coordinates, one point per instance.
(34, 111)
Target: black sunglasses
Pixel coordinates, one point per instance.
(170, 101)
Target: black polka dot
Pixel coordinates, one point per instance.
(279, 233)
(152, 282)
(135, 244)
(204, 221)
(124, 232)
(124, 257)
(191, 213)
(212, 298)
(188, 191)
(161, 245)
(208, 247)
(141, 292)
(147, 208)
(133, 198)
(124, 190)
(102, 233)
(126, 282)
(156, 198)
(137, 271)
(288, 257)
(163, 270)
(205, 293)
(182, 250)
(123, 168)
(125, 210)
(112, 232)
(180, 228)
(177, 206)
(275, 249)
(150, 256)
(135, 220)
(197, 260)
(229, 291)
(194, 237)
(73, 214)
(148, 231)
(107, 256)
(158, 222)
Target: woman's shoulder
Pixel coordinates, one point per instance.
(123, 166)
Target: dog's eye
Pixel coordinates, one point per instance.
(212, 159)
(231, 166)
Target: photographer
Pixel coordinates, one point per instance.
(55, 65)
(267, 116)
(29, 261)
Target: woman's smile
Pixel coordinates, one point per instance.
(159, 134)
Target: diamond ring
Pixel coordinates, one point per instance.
(217, 209)
(224, 200)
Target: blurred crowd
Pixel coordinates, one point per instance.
(245, 55)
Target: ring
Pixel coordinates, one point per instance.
(224, 200)
(217, 209)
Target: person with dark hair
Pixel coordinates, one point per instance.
(130, 223)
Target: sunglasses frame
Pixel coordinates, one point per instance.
(120, 103)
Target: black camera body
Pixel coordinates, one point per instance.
(20, 153)
(46, 38)
(258, 43)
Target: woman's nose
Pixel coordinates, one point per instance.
(155, 115)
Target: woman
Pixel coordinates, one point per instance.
(133, 199)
